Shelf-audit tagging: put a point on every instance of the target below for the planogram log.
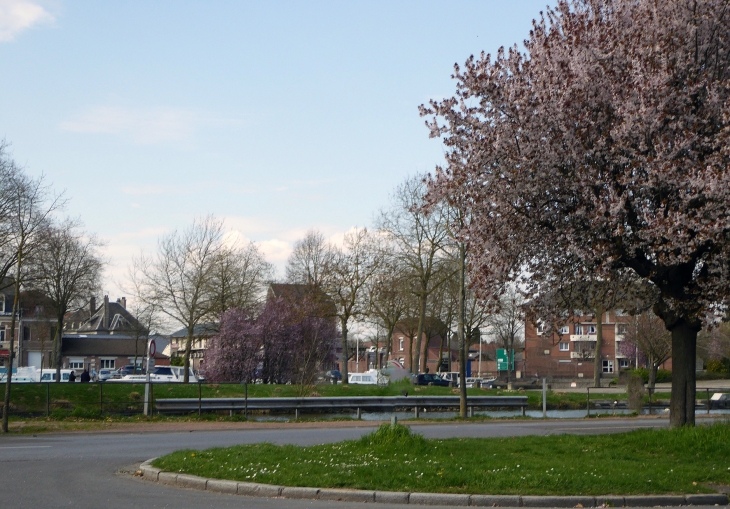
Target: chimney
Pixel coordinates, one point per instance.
(106, 311)
(122, 302)
(92, 306)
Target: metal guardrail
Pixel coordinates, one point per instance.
(386, 403)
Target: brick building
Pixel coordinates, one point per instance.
(571, 352)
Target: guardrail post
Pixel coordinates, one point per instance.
(416, 411)
(544, 398)
(245, 401)
(48, 399)
(393, 421)
(200, 399)
(588, 404)
(359, 415)
(708, 400)
(524, 407)
(296, 413)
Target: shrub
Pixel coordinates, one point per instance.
(662, 375)
(718, 365)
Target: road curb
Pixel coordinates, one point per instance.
(251, 489)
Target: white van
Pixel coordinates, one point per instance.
(370, 377)
(49, 375)
(362, 378)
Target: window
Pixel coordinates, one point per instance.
(578, 329)
(107, 363)
(622, 328)
(624, 363)
(2, 303)
(76, 363)
(564, 329)
(2, 333)
(591, 329)
(564, 347)
(540, 329)
(401, 344)
(608, 366)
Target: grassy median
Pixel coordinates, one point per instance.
(640, 462)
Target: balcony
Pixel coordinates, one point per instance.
(583, 355)
(583, 337)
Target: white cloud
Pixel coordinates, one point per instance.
(19, 15)
(144, 126)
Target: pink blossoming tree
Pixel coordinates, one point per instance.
(604, 142)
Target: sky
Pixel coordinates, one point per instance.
(276, 116)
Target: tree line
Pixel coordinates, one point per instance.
(42, 250)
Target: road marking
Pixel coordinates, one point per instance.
(27, 447)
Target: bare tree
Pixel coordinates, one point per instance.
(389, 297)
(238, 278)
(68, 269)
(26, 205)
(177, 279)
(419, 237)
(507, 323)
(349, 271)
(648, 334)
(310, 260)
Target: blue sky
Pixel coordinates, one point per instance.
(277, 116)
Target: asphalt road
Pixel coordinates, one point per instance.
(87, 470)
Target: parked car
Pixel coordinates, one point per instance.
(451, 376)
(429, 379)
(333, 376)
(129, 369)
(105, 374)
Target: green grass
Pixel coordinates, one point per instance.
(639, 462)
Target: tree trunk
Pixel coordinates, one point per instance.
(684, 351)
(597, 359)
(421, 326)
(463, 347)
(57, 346)
(389, 344)
(345, 353)
(653, 366)
(11, 352)
(186, 357)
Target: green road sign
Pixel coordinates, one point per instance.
(504, 364)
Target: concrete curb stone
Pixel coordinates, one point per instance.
(219, 486)
(495, 500)
(391, 497)
(191, 481)
(610, 501)
(556, 501)
(148, 471)
(254, 489)
(707, 499)
(653, 500)
(299, 492)
(167, 478)
(346, 495)
(438, 499)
